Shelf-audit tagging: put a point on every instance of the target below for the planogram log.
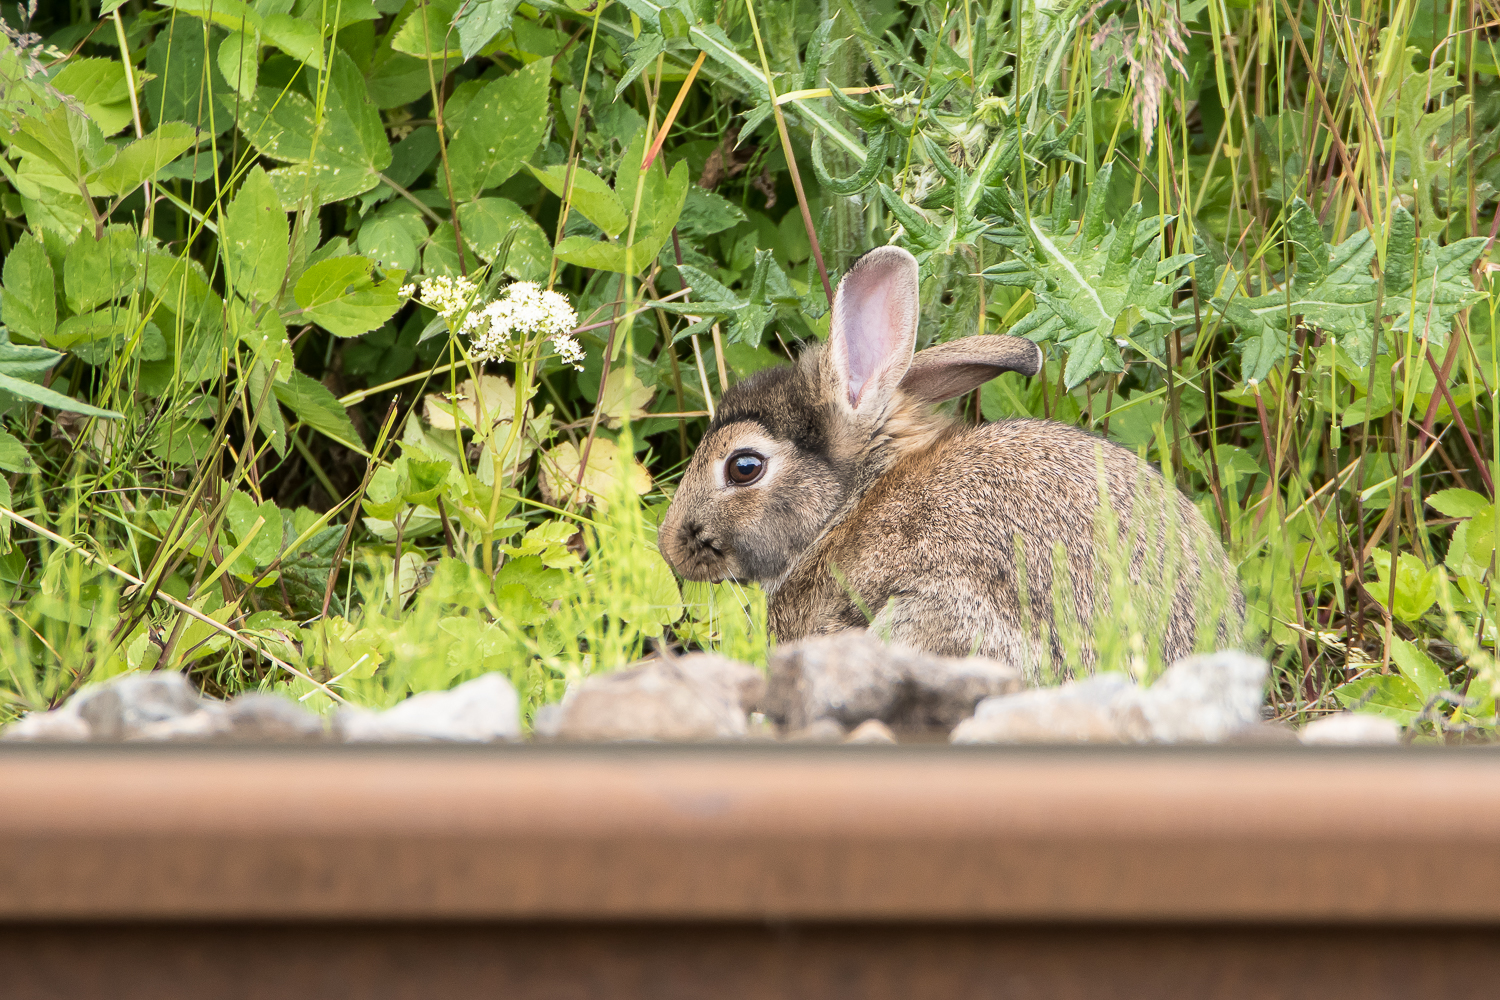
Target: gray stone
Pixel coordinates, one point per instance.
(1204, 699)
(1351, 729)
(61, 725)
(478, 711)
(853, 676)
(1199, 699)
(250, 718)
(696, 697)
(1102, 709)
(872, 732)
(121, 708)
(818, 731)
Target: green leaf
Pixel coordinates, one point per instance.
(1426, 287)
(1458, 503)
(1392, 696)
(1418, 668)
(392, 235)
(1416, 584)
(186, 85)
(318, 408)
(592, 197)
(235, 15)
(13, 456)
(254, 239)
(99, 271)
(142, 160)
(479, 21)
(100, 86)
(333, 157)
(488, 221)
(39, 394)
(23, 360)
(298, 38)
(341, 295)
(501, 128)
(428, 33)
(239, 62)
(30, 303)
(272, 425)
(99, 337)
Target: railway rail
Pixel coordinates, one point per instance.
(748, 872)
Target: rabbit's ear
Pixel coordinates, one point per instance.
(874, 328)
(952, 369)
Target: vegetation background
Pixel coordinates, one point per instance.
(279, 411)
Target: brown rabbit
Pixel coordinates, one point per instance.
(834, 483)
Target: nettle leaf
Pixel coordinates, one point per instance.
(1092, 286)
(500, 129)
(333, 157)
(318, 408)
(343, 297)
(254, 239)
(30, 303)
(1336, 291)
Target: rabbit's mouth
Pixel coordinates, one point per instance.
(696, 554)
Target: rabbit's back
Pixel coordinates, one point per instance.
(952, 550)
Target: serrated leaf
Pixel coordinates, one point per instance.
(318, 408)
(30, 303)
(1458, 503)
(592, 197)
(608, 473)
(1392, 696)
(143, 159)
(488, 222)
(99, 271)
(500, 129)
(392, 235)
(478, 21)
(239, 62)
(1418, 668)
(624, 398)
(342, 296)
(428, 33)
(333, 157)
(186, 85)
(254, 239)
(13, 455)
(301, 39)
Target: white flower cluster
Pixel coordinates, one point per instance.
(497, 328)
(524, 311)
(449, 297)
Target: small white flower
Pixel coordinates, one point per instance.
(568, 348)
(406, 291)
(449, 297)
(523, 312)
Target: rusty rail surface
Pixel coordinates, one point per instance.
(732, 872)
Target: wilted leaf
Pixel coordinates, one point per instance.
(608, 472)
(625, 397)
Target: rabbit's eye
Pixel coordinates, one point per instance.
(744, 468)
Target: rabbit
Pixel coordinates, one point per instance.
(835, 484)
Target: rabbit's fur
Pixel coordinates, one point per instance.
(868, 503)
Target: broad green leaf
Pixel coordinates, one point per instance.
(13, 455)
(333, 157)
(661, 205)
(1418, 668)
(100, 86)
(428, 32)
(342, 296)
(300, 39)
(47, 397)
(99, 337)
(1426, 287)
(239, 62)
(253, 237)
(186, 85)
(263, 332)
(1457, 503)
(500, 129)
(479, 21)
(140, 161)
(236, 15)
(70, 143)
(488, 221)
(270, 421)
(392, 235)
(30, 304)
(1416, 584)
(99, 271)
(1391, 696)
(592, 198)
(318, 408)
(651, 598)
(24, 360)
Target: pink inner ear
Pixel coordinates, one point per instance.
(872, 333)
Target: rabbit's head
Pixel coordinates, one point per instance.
(791, 447)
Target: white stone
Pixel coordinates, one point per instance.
(872, 732)
(481, 710)
(122, 707)
(695, 697)
(1351, 729)
(61, 725)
